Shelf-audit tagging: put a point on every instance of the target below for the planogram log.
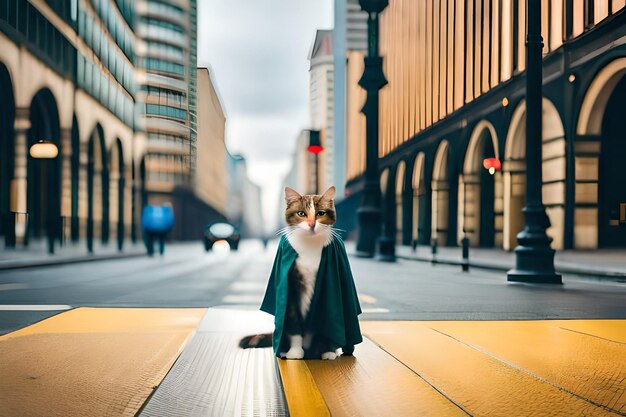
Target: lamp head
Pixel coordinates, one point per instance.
(373, 6)
(44, 150)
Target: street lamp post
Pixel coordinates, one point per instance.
(315, 147)
(46, 151)
(534, 258)
(372, 81)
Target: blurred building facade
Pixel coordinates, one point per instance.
(243, 207)
(349, 35)
(165, 31)
(210, 183)
(175, 171)
(455, 96)
(68, 76)
(321, 104)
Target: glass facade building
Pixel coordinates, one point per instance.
(168, 37)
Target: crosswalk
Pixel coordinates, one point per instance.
(248, 290)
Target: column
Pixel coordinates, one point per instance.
(586, 168)
(18, 202)
(66, 183)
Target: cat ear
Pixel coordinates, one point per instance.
(291, 195)
(329, 194)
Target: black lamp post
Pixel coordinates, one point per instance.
(534, 258)
(45, 151)
(315, 147)
(372, 81)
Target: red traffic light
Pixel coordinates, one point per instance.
(315, 149)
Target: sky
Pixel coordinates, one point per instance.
(258, 51)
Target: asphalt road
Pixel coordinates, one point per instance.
(189, 277)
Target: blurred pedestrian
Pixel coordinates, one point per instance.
(156, 222)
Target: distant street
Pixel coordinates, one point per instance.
(187, 276)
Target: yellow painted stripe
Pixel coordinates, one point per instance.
(372, 383)
(303, 397)
(591, 367)
(614, 330)
(91, 361)
(482, 384)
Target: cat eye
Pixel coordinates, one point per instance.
(301, 213)
(321, 213)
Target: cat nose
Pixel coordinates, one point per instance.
(312, 225)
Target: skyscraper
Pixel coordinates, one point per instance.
(167, 30)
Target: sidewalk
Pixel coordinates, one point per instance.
(36, 254)
(161, 362)
(604, 263)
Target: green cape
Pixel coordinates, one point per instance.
(334, 309)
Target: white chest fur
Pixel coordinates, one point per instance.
(309, 249)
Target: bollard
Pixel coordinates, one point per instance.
(433, 251)
(414, 245)
(465, 250)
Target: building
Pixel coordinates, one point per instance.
(244, 208)
(321, 102)
(68, 76)
(166, 29)
(210, 182)
(349, 35)
(455, 97)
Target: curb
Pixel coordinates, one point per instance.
(605, 275)
(59, 262)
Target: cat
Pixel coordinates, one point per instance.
(310, 220)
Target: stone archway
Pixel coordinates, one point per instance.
(7, 153)
(43, 192)
(554, 158)
(440, 195)
(600, 196)
(480, 193)
(399, 201)
(419, 202)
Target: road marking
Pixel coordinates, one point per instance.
(243, 299)
(34, 307)
(374, 310)
(367, 299)
(248, 286)
(12, 286)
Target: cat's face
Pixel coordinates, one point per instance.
(314, 214)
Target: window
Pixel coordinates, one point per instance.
(166, 111)
(165, 66)
(162, 24)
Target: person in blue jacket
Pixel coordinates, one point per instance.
(156, 221)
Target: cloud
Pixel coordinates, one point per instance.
(264, 138)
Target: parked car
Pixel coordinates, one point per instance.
(221, 231)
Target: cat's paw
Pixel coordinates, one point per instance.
(329, 356)
(283, 355)
(295, 353)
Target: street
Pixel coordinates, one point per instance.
(138, 329)
(189, 277)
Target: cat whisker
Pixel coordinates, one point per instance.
(284, 231)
